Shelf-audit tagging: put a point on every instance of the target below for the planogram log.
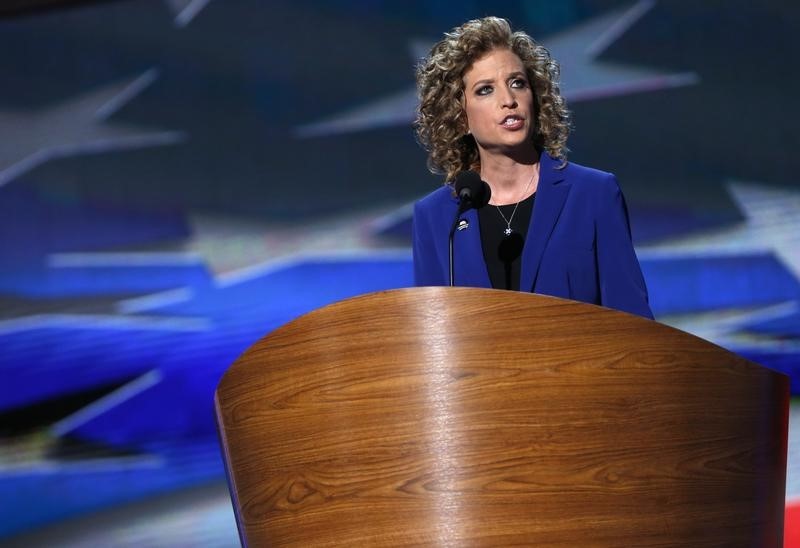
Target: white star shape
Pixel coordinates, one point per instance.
(77, 126)
(229, 245)
(584, 78)
(234, 250)
(727, 328)
(771, 225)
(185, 10)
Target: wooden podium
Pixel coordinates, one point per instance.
(476, 417)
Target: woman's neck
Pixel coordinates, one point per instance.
(510, 180)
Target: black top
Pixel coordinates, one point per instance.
(502, 252)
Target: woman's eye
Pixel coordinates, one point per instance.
(518, 83)
(483, 90)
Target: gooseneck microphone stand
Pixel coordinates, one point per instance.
(471, 192)
(462, 207)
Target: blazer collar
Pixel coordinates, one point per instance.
(551, 194)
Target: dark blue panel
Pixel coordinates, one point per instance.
(86, 281)
(700, 284)
(34, 224)
(48, 492)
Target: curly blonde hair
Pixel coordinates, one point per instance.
(441, 124)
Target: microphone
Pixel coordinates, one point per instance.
(472, 192)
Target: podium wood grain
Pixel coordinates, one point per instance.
(468, 417)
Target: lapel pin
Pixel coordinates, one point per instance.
(463, 224)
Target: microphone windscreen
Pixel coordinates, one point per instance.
(471, 189)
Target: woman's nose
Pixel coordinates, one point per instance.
(507, 98)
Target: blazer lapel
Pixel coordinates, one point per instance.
(550, 197)
(469, 264)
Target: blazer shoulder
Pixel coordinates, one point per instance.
(586, 173)
(440, 198)
(591, 180)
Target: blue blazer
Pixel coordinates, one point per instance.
(578, 244)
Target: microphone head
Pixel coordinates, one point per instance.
(471, 190)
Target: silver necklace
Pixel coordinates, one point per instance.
(507, 231)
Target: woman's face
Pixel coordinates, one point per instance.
(499, 102)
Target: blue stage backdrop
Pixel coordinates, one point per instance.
(180, 177)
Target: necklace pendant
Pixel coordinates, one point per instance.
(507, 231)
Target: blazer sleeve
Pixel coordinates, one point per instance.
(427, 269)
(620, 278)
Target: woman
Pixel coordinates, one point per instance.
(490, 102)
